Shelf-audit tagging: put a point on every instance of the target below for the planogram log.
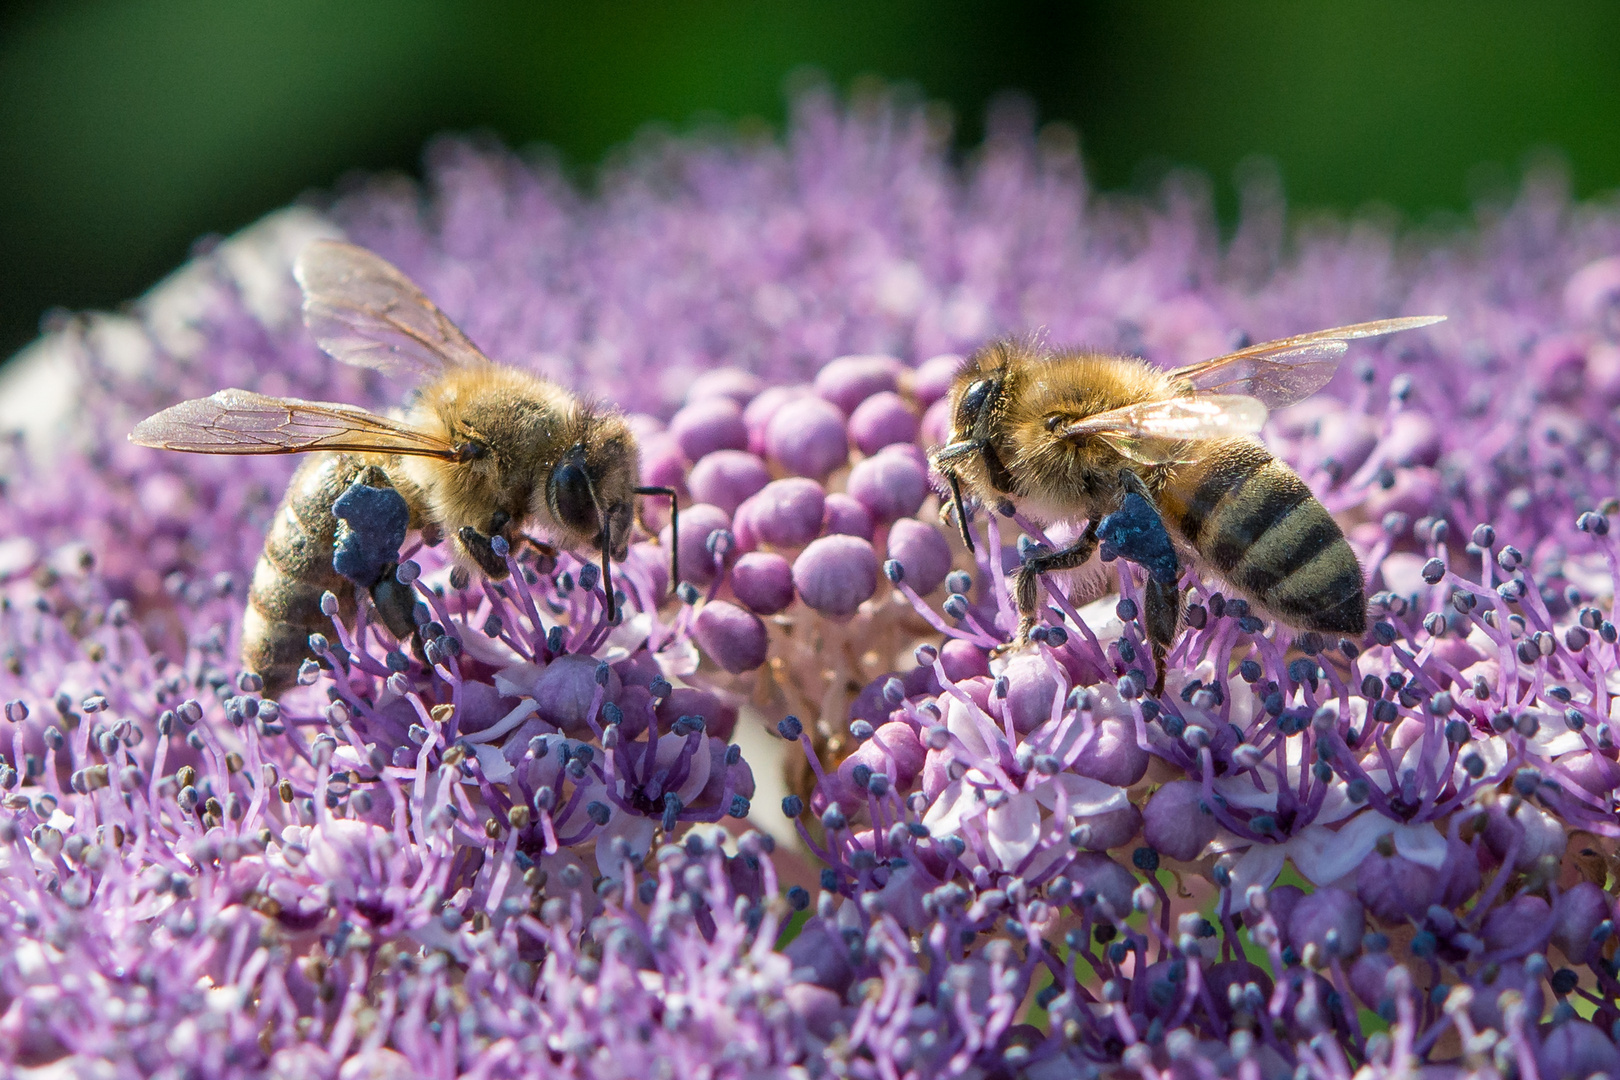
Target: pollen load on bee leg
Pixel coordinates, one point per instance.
(1135, 532)
(372, 521)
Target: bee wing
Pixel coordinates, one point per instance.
(1291, 369)
(1159, 432)
(242, 422)
(363, 311)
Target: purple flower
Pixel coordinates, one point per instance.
(515, 844)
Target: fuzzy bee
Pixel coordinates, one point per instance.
(484, 451)
(1160, 464)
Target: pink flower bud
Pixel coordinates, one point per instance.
(880, 420)
(835, 574)
(719, 716)
(1323, 911)
(963, 660)
(726, 477)
(1576, 1050)
(1030, 690)
(705, 426)
(565, 689)
(1111, 882)
(1367, 977)
(787, 513)
(820, 954)
(1486, 1009)
(731, 637)
(697, 522)
(922, 551)
(1114, 757)
(1577, 912)
(850, 380)
(1459, 875)
(1175, 823)
(758, 412)
(662, 462)
(763, 582)
(842, 515)
(1395, 889)
(738, 385)
(1520, 924)
(1112, 829)
(932, 380)
(806, 437)
(891, 485)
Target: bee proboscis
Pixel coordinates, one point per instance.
(1123, 445)
(484, 450)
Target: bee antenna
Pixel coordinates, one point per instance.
(674, 530)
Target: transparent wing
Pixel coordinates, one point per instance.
(363, 311)
(242, 422)
(1200, 416)
(1282, 372)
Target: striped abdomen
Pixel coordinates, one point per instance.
(295, 568)
(1253, 521)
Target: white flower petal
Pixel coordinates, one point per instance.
(637, 832)
(1015, 829)
(1422, 844)
(953, 806)
(1085, 795)
(495, 767)
(963, 721)
(1435, 757)
(1241, 791)
(1260, 865)
(1325, 855)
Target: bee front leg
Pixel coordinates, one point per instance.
(1027, 579)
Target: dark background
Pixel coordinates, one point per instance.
(130, 127)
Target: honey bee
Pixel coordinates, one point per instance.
(484, 450)
(1131, 448)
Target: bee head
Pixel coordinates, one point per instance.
(590, 496)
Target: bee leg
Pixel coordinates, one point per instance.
(546, 554)
(478, 547)
(1027, 578)
(396, 604)
(1161, 611)
(1140, 534)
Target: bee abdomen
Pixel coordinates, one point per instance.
(1257, 524)
(293, 572)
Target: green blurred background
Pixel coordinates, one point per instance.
(130, 127)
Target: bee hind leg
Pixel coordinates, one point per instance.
(1026, 580)
(1161, 612)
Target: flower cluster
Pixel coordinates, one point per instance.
(526, 842)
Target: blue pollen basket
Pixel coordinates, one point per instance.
(1135, 532)
(371, 527)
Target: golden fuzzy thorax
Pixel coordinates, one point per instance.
(1051, 479)
(528, 426)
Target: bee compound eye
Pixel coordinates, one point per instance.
(572, 498)
(973, 400)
